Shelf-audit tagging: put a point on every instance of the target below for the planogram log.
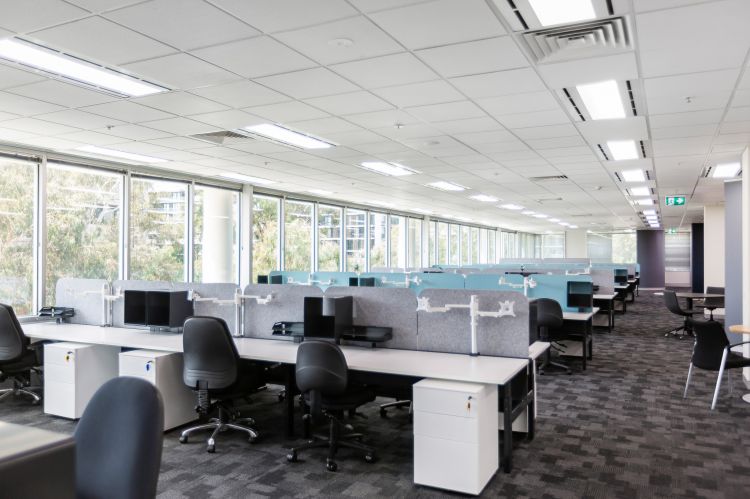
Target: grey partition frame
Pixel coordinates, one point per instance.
(85, 296)
(287, 304)
(605, 279)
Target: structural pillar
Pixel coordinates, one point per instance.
(218, 235)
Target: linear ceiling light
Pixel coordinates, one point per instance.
(633, 176)
(103, 151)
(539, 215)
(622, 149)
(644, 202)
(484, 198)
(726, 170)
(649, 212)
(640, 191)
(246, 178)
(511, 206)
(290, 137)
(552, 12)
(602, 100)
(573, 226)
(446, 186)
(75, 69)
(564, 224)
(527, 212)
(320, 192)
(554, 220)
(391, 169)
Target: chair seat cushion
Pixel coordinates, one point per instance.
(250, 377)
(351, 399)
(735, 360)
(22, 364)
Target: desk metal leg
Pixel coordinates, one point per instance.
(531, 406)
(611, 316)
(289, 400)
(590, 333)
(507, 461)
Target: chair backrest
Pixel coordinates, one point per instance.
(714, 302)
(673, 305)
(119, 441)
(710, 342)
(209, 354)
(549, 313)
(320, 370)
(12, 340)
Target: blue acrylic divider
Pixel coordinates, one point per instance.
(556, 288)
(291, 276)
(432, 280)
(387, 279)
(324, 280)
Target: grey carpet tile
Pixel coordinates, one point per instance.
(620, 429)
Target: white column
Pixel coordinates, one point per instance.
(576, 244)
(246, 236)
(746, 250)
(217, 236)
(713, 245)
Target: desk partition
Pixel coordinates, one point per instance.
(287, 304)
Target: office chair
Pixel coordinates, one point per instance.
(119, 441)
(549, 319)
(710, 303)
(323, 378)
(213, 368)
(673, 305)
(18, 359)
(712, 352)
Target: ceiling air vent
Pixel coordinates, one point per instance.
(224, 137)
(549, 178)
(576, 41)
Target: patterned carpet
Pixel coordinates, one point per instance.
(621, 429)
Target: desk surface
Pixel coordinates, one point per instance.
(456, 367)
(580, 316)
(698, 295)
(605, 296)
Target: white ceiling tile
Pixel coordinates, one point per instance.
(241, 93)
(539, 118)
(359, 39)
(741, 98)
(79, 119)
(681, 147)
(228, 120)
(127, 111)
(39, 127)
(599, 131)
(351, 103)
(181, 71)
(134, 132)
(483, 56)
(25, 106)
(518, 103)
(8, 116)
(185, 24)
(315, 82)
(687, 118)
(92, 138)
(323, 126)
(735, 127)
(63, 94)
(738, 114)
(51, 143)
(12, 77)
(98, 6)
(181, 126)
(180, 143)
(513, 81)
(695, 92)
(255, 57)
(355, 138)
(683, 131)
(270, 16)
(571, 73)
(103, 41)
(377, 5)
(484, 124)
(31, 15)
(285, 112)
(12, 135)
(557, 142)
(389, 70)
(180, 103)
(418, 94)
(546, 132)
(447, 112)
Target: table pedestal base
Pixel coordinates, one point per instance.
(746, 398)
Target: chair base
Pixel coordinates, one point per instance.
(333, 443)
(677, 334)
(21, 388)
(221, 424)
(398, 404)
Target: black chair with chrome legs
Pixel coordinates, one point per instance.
(673, 305)
(18, 358)
(713, 352)
(323, 378)
(549, 321)
(713, 302)
(214, 369)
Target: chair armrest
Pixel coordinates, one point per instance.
(738, 344)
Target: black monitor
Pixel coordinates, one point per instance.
(367, 281)
(621, 279)
(581, 295)
(276, 279)
(354, 281)
(157, 309)
(135, 307)
(327, 318)
(262, 279)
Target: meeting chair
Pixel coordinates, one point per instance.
(119, 441)
(712, 352)
(549, 320)
(712, 303)
(673, 305)
(215, 371)
(19, 359)
(323, 378)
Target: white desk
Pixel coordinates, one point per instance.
(607, 299)
(583, 321)
(453, 367)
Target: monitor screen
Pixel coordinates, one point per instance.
(367, 281)
(354, 281)
(262, 279)
(316, 325)
(135, 307)
(621, 279)
(580, 294)
(276, 279)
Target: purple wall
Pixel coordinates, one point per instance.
(651, 258)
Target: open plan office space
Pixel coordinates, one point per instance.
(374, 248)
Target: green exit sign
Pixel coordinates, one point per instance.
(674, 200)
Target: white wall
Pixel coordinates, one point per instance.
(713, 245)
(575, 244)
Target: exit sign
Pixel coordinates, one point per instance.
(674, 201)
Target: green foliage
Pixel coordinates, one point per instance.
(265, 236)
(16, 234)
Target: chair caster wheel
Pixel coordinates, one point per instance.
(183, 439)
(211, 449)
(383, 413)
(34, 402)
(292, 457)
(370, 458)
(281, 397)
(331, 466)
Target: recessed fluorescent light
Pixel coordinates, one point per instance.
(511, 206)
(649, 212)
(602, 100)
(382, 203)
(527, 212)
(645, 202)
(392, 169)
(246, 178)
(633, 176)
(75, 69)
(539, 215)
(573, 227)
(640, 191)
(554, 220)
(446, 186)
(551, 12)
(484, 198)
(564, 224)
(120, 154)
(726, 170)
(422, 210)
(622, 149)
(287, 136)
(319, 192)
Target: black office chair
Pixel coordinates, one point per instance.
(18, 358)
(549, 320)
(323, 378)
(712, 303)
(712, 352)
(673, 305)
(119, 441)
(213, 368)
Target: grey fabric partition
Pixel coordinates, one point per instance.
(385, 307)
(605, 279)
(451, 331)
(287, 304)
(85, 296)
(220, 291)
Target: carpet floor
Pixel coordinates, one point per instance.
(619, 429)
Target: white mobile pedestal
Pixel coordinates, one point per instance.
(455, 435)
(164, 371)
(73, 372)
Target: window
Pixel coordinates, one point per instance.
(298, 235)
(442, 249)
(624, 247)
(528, 245)
(265, 235)
(491, 246)
(553, 246)
(508, 245)
(474, 245)
(465, 245)
(83, 225)
(415, 243)
(17, 234)
(378, 240)
(158, 214)
(215, 234)
(398, 241)
(677, 251)
(483, 245)
(355, 240)
(432, 244)
(329, 238)
(454, 245)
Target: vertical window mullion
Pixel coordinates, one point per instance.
(39, 251)
(189, 233)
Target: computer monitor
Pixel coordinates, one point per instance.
(354, 281)
(621, 279)
(327, 318)
(581, 295)
(167, 309)
(276, 279)
(367, 281)
(135, 307)
(262, 279)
